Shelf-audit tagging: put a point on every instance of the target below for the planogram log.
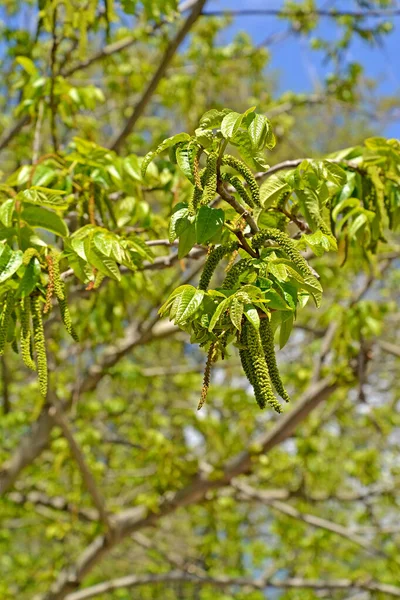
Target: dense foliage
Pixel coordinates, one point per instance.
(136, 259)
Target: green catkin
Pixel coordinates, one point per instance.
(234, 273)
(239, 187)
(240, 167)
(28, 255)
(197, 193)
(211, 357)
(267, 340)
(284, 241)
(50, 284)
(210, 179)
(26, 333)
(196, 170)
(257, 366)
(212, 261)
(59, 289)
(40, 344)
(8, 307)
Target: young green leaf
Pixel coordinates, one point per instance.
(187, 240)
(7, 211)
(209, 222)
(10, 261)
(171, 141)
(36, 216)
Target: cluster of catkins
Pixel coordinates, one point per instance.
(205, 181)
(30, 310)
(256, 346)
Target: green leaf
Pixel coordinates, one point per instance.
(334, 173)
(27, 64)
(213, 118)
(218, 312)
(309, 204)
(103, 243)
(236, 313)
(251, 313)
(29, 279)
(285, 331)
(7, 211)
(261, 134)
(191, 308)
(358, 222)
(132, 168)
(271, 190)
(204, 137)
(171, 141)
(185, 154)
(209, 222)
(275, 301)
(36, 216)
(255, 159)
(42, 196)
(172, 297)
(230, 124)
(185, 306)
(105, 265)
(10, 261)
(187, 240)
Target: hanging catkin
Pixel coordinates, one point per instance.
(247, 175)
(239, 187)
(257, 366)
(235, 271)
(59, 289)
(28, 255)
(267, 340)
(8, 307)
(212, 261)
(50, 283)
(40, 344)
(210, 179)
(211, 356)
(287, 245)
(197, 193)
(26, 333)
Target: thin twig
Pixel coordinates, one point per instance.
(53, 59)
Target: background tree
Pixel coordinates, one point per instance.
(113, 485)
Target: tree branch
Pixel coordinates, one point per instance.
(132, 520)
(222, 581)
(158, 75)
(312, 520)
(87, 477)
(297, 13)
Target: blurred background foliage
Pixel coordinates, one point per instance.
(316, 516)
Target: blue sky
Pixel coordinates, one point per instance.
(300, 68)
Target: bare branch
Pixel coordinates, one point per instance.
(271, 12)
(132, 520)
(222, 581)
(312, 520)
(87, 477)
(158, 75)
(55, 503)
(389, 348)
